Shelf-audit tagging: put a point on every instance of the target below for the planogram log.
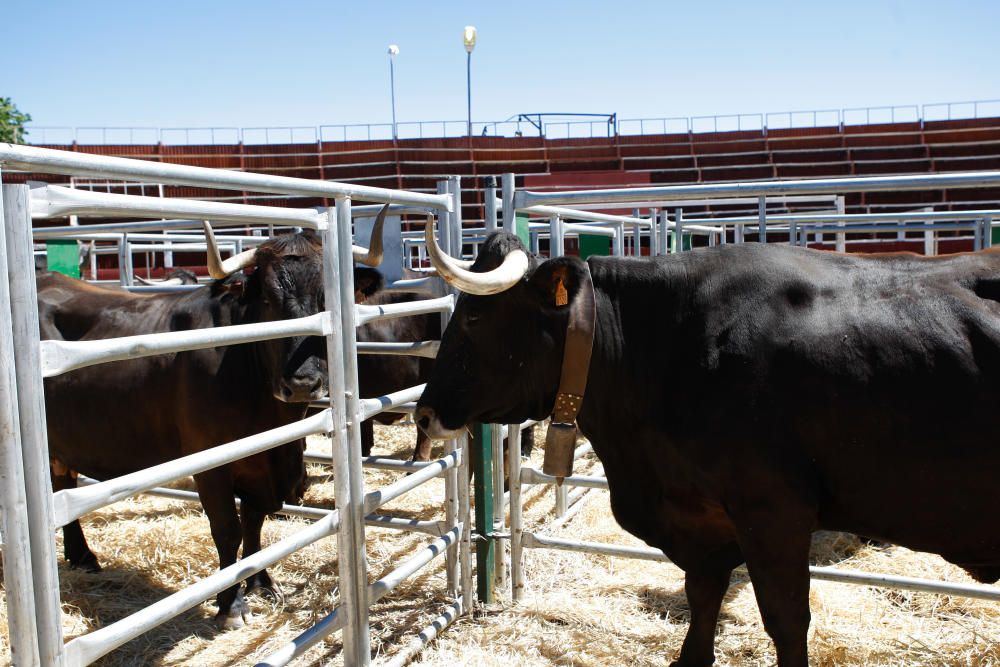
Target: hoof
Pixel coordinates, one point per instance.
(265, 587)
(88, 563)
(236, 617)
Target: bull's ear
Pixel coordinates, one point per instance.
(557, 281)
(367, 282)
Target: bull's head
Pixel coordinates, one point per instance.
(501, 355)
(286, 284)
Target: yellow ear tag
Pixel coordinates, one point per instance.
(562, 296)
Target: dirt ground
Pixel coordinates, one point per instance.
(579, 609)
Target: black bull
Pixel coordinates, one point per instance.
(742, 397)
(108, 420)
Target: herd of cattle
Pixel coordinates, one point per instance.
(740, 397)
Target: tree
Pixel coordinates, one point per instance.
(12, 122)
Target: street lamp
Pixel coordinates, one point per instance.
(393, 52)
(469, 39)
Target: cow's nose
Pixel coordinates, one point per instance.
(300, 388)
(423, 416)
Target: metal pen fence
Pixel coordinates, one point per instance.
(35, 621)
(522, 477)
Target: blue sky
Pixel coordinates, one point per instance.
(252, 63)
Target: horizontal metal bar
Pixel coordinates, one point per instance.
(372, 406)
(594, 229)
(46, 160)
(52, 201)
(116, 229)
(61, 356)
(978, 591)
(377, 498)
(88, 648)
(335, 620)
(424, 348)
(429, 285)
(577, 214)
(527, 199)
(71, 504)
(366, 314)
(851, 217)
(531, 475)
(372, 462)
(427, 635)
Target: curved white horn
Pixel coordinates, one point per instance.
(157, 283)
(505, 276)
(373, 255)
(219, 269)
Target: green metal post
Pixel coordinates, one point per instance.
(481, 450)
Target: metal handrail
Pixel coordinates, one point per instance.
(457, 128)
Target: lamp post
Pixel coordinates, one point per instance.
(393, 52)
(469, 39)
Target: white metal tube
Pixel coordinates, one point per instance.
(509, 218)
(18, 582)
(490, 197)
(426, 636)
(579, 214)
(54, 201)
(424, 348)
(557, 242)
(465, 534)
(349, 479)
(88, 648)
(525, 198)
(61, 356)
(516, 513)
(70, 504)
(610, 232)
(531, 475)
(31, 416)
(379, 497)
(496, 435)
(373, 593)
(32, 159)
(372, 406)
(366, 314)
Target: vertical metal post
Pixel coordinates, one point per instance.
(455, 226)
(14, 509)
(738, 232)
(392, 91)
(793, 233)
(465, 542)
(557, 240)
(444, 233)
(618, 240)
(762, 219)
(496, 435)
(977, 236)
(654, 237)
(348, 478)
(516, 518)
(841, 237)
(509, 218)
(34, 437)
(482, 465)
(722, 235)
(490, 193)
(664, 232)
(987, 232)
(678, 230)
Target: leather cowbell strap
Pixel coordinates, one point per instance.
(560, 439)
(577, 351)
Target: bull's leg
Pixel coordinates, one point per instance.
(527, 441)
(367, 437)
(75, 546)
(422, 452)
(705, 588)
(215, 489)
(261, 582)
(776, 547)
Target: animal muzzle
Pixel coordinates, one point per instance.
(429, 422)
(301, 388)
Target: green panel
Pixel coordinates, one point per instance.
(481, 457)
(687, 242)
(521, 222)
(63, 257)
(995, 236)
(594, 244)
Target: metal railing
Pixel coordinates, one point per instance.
(761, 121)
(31, 578)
